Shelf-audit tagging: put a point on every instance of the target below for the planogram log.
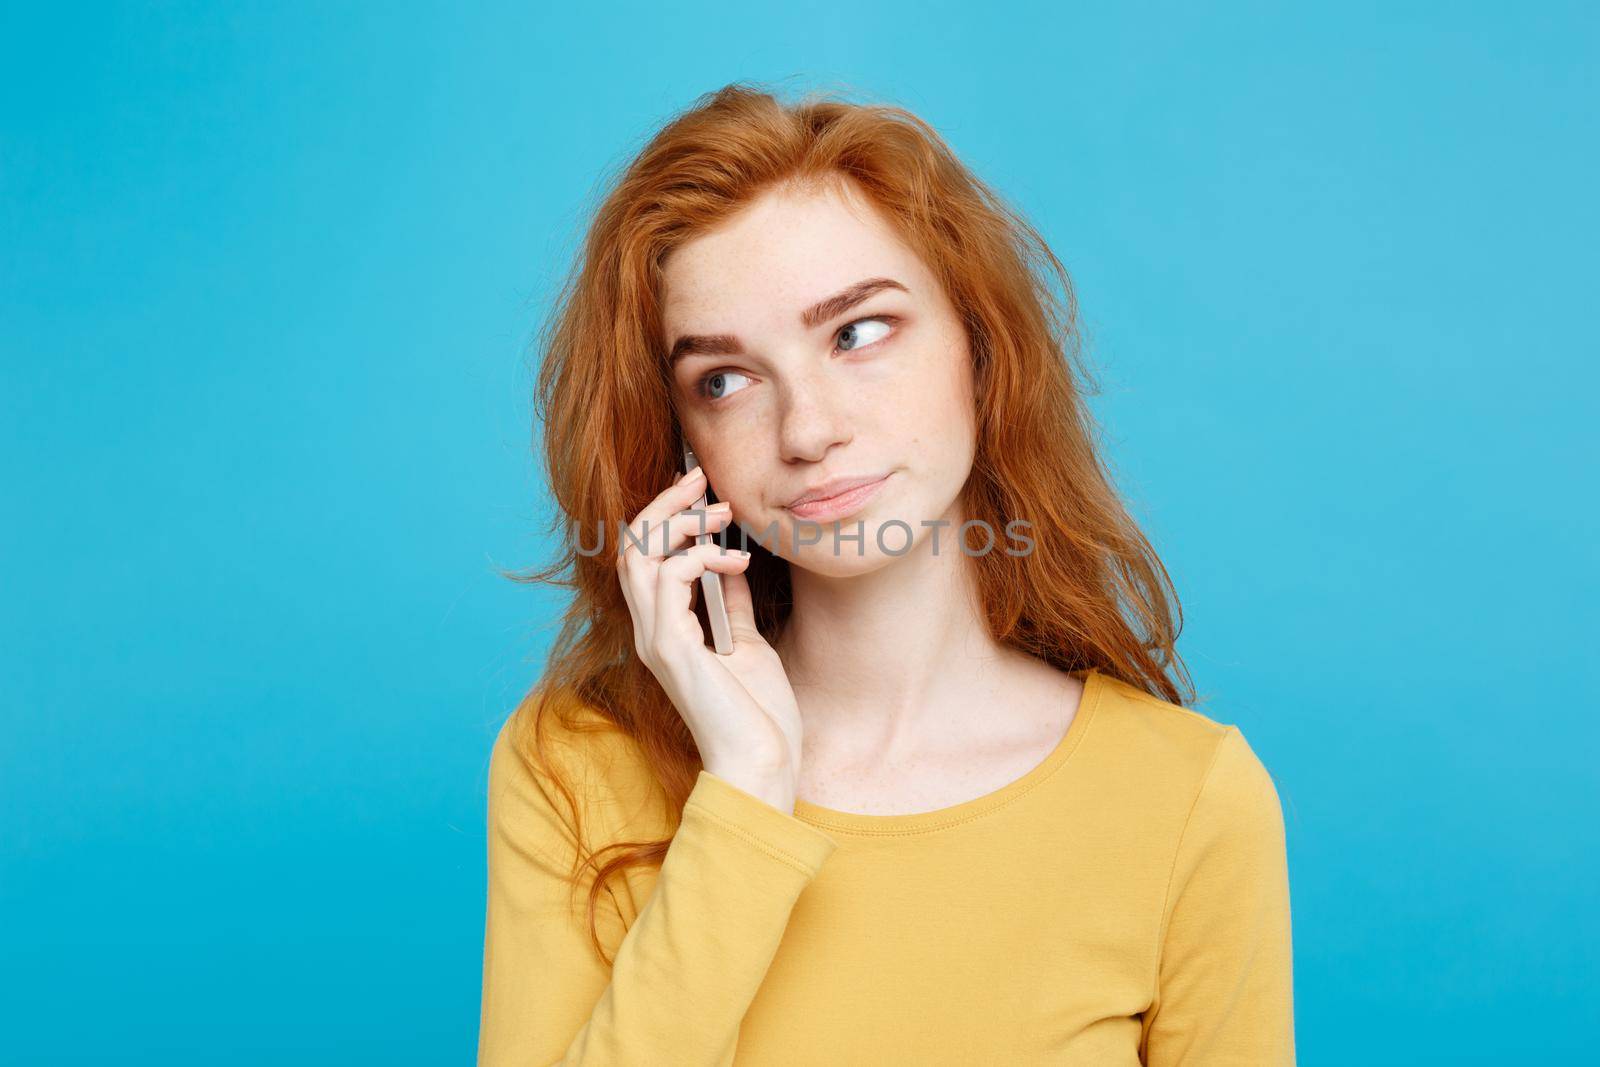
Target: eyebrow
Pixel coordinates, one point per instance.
(725, 344)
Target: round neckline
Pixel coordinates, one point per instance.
(922, 821)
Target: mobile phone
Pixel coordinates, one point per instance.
(710, 581)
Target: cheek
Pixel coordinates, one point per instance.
(937, 414)
(738, 478)
(935, 392)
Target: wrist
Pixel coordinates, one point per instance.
(763, 782)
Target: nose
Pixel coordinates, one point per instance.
(813, 419)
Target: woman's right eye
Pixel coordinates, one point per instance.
(716, 386)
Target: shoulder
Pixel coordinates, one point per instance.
(1177, 755)
(556, 750)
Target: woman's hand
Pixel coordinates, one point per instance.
(739, 707)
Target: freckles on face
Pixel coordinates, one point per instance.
(800, 401)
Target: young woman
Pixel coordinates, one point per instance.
(942, 802)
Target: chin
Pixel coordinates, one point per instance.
(846, 556)
(819, 559)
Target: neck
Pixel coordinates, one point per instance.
(880, 659)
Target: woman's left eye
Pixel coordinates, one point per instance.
(852, 333)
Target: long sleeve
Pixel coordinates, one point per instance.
(1225, 974)
(687, 969)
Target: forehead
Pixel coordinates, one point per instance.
(783, 252)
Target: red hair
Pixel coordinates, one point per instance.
(1091, 593)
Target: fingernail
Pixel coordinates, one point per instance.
(691, 476)
(721, 505)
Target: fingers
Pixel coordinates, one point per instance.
(658, 562)
(674, 592)
(663, 513)
(655, 539)
(637, 566)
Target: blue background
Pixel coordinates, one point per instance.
(268, 279)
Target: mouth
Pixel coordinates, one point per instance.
(838, 498)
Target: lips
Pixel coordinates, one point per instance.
(834, 487)
(838, 498)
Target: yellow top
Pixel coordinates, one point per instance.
(1126, 901)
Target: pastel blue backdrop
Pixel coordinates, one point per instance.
(268, 277)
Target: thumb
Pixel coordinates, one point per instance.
(740, 606)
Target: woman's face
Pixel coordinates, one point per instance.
(781, 387)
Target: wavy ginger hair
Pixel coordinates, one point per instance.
(1091, 593)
